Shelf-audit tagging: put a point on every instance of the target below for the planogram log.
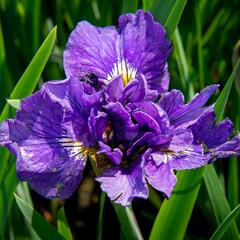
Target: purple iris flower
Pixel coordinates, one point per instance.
(137, 46)
(107, 110)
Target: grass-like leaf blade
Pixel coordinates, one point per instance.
(168, 13)
(222, 99)
(147, 4)
(218, 200)
(217, 235)
(44, 229)
(100, 217)
(63, 227)
(30, 77)
(128, 222)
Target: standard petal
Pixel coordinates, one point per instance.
(160, 177)
(122, 186)
(145, 47)
(90, 50)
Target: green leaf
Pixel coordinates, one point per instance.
(14, 103)
(62, 223)
(222, 99)
(44, 229)
(7, 186)
(198, 16)
(168, 13)
(218, 200)
(147, 4)
(100, 218)
(233, 182)
(173, 217)
(128, 222)
(30, 77)
(225, 224)
(129, 6)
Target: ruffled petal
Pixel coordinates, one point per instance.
(154, 111)
(49, 156)
(228, 149)
(123, 185)
(160, 177)
(206, 131)
(181, 140)
(114, 90)
(186, 114)
(115, 155)
(90, 50)
(123, 127)
(145, 47)
(136, 90)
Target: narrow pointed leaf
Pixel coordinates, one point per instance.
(100, 218)
(222, 99)
(63, 227)
(218, 200)
(217, 197)
(168, 13)
(128, 222)
(225, 224)
(44, 229)
(30, 77)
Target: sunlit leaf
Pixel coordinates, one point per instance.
(63, 227)
(44, 229)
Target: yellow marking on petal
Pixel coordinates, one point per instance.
(124, 69)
